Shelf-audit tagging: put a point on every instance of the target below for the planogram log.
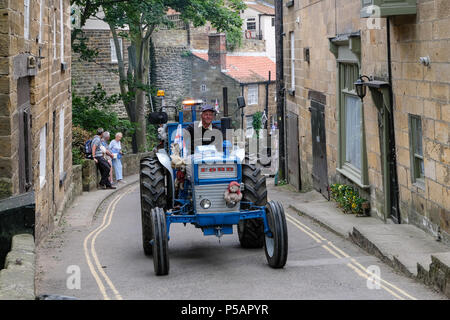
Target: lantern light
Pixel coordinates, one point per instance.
(360, 87)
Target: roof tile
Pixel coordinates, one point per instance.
(246, 69)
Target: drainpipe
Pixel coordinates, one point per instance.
(390, 135)
(280, 86)
(259, 26)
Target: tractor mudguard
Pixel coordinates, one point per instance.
(164, 159)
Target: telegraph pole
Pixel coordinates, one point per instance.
(280, 86)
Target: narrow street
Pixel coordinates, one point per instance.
(112, 265)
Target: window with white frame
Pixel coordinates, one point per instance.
(113, 49)
(61, 142)
(42, 155)
(352, 149)
(41, 16)
(252, 94)
(61, 34)
(26, 19)
(251, 24)
(292, 41)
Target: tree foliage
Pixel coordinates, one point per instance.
(257, 122)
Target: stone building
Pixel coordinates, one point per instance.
(35, 105)
(244, 75)
(395, 149)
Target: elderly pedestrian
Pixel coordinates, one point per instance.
(100, 160)
(116, 149)
(107, 154)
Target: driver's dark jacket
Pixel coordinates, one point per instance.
(190, 129)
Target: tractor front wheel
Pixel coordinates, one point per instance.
(153, 194)
(251, 231)
(160, 242)
(276, 244)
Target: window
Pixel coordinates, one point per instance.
(252, 94)
(26, 19)
(273, 22)
(42, 155)
(113, 49)
(416, 149)
(41, 14)
(61, 23)
(292, 38)
(203, 87)
(251, 24)
(352, 159)
(352, 131)
(249, 126)
(61, 142)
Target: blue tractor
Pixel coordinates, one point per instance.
(200, 200)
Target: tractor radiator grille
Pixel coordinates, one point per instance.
(214, 193)
(217, 171)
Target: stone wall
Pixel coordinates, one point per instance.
(252, 45)
(49, 95)
(91, 175)
(17, 279)
(424, 91)
(272, 107)
(173, 72)
(418, 90)
(77, 178)
(86, 75)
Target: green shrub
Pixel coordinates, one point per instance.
(92, 112)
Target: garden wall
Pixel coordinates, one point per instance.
(90, 175)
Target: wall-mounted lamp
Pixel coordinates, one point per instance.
(361, 89)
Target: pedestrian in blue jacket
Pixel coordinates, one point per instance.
(116, 148)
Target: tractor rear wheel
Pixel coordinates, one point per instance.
(276, 244)
(160, 242)
(251, 231)
(153, 194)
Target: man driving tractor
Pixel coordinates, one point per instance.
(207, 116)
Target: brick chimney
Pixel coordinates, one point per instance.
(217, 53)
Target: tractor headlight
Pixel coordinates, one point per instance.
(205, 204)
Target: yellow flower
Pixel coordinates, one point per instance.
(354, 205)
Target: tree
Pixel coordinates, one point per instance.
(141, 18)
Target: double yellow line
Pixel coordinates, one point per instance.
(89, 250)
(354, 265)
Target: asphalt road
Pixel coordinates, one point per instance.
(109, 259)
